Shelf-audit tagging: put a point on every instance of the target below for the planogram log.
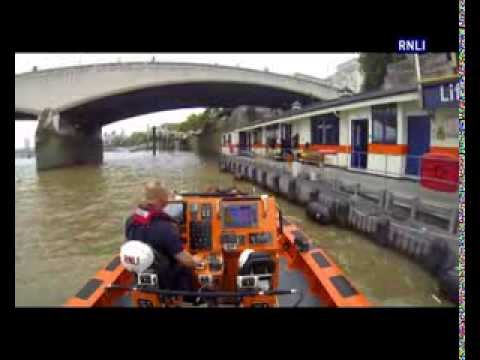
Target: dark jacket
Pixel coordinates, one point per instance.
(161, 233)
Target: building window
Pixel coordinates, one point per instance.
(325, 130)
(384, 120)
(229, 139)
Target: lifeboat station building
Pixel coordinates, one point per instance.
(386, 132)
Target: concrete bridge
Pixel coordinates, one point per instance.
(73, 103)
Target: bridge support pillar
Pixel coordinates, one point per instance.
(59, 143)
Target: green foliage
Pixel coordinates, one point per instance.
(374, 66)
(171, 127)
(136, 138)
(206, 119)
(193, 122)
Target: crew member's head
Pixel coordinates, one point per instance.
(155, 195)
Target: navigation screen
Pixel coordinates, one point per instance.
(176, 210)
(240, 216)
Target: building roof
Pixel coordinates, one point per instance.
(347, 100)
(358, 97)
(325, 105)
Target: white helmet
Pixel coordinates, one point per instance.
(136, 256)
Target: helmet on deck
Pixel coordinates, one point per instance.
(136, 256)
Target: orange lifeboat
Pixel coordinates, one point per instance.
(253, 256)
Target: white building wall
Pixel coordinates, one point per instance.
(278, 132)
(444, 129)
(260, 150)
(303, 127)
(391, 165)
(344, 137)
(444, 134)
(235, 142)
(339, 159)
(264, 136)
(224, 146)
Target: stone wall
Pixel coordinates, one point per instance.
(432, 65)
(348, 75)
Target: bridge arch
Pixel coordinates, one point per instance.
(71, 87)
(84, 98)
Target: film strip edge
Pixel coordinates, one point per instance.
(461, 212)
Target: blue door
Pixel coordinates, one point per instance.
(359, 143)
(418, 142)
(243, 142)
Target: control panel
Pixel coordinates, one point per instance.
(200, 235)
(210, 275)
(231, 241)
(249, 224)
(261, 238)
(214, 224)
(218, 229)
(201, 226)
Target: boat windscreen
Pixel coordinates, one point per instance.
(176, 210)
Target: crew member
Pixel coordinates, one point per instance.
(152, 225)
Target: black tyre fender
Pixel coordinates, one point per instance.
(381, 234)
(448, 281)
(435, 257)
(341, 213)
(319, 213)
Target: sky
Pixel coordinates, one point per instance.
(320, 65)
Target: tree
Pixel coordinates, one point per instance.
(374, 67)
(137, 138)
(194, 122)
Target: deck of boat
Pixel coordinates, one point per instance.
(289, 279)
(295, 279)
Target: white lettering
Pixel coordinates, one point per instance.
(401, 44)
(410, 45)
(420, 48)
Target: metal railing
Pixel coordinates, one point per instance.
(411, 167)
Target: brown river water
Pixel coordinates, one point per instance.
(69, 224)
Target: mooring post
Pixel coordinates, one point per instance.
(154, 140)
